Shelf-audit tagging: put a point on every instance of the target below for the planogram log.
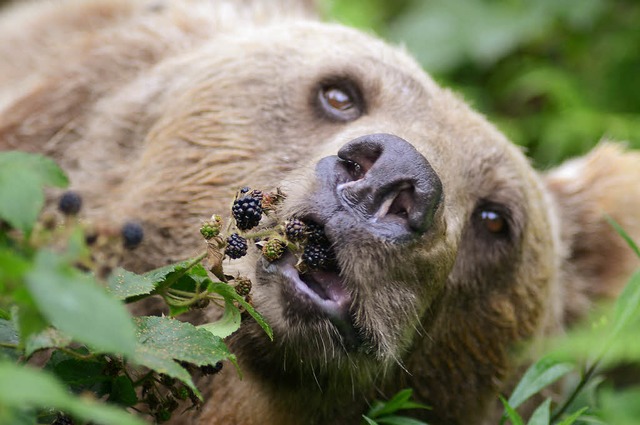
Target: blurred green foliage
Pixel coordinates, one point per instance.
(556, 76)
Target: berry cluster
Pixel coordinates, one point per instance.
(303, 238)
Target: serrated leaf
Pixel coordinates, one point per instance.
(160, 363)
(229, 293)
(511, 413)
(124, 284)
(22, 178)
(227, 324)
(539, 375)
(48, 338)
(162, 340)
(74, 303)
(27, 387)
(542, 414)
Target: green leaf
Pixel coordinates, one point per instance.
(574, 417)
(229, 293)
(628, 304)
(623, 234)
(22, 178)
(124, 284)
(12, 266)
(162, 340)
(80, 375)
(511, 413)
(8, 335)
(26, 387)
(539, 375)
(542, 414)
(227, 324)
(123, 392)
(74, 303)
(399, 420)
(369, 421)
(620, 407)
(26, 315)
(48, 338)
(400, 401)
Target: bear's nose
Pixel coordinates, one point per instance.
(388, 180)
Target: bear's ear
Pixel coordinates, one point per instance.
(595, 260)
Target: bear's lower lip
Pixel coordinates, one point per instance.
(324, 289)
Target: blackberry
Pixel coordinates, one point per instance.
(211, 228)
(273, 249)
(132, 234)
(62, 419)
(243, 286)
(247, 211)
(295, 230)
(315, 234)
(236, 246)
(317, 257)
(70, 203)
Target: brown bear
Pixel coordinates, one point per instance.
(451, 251)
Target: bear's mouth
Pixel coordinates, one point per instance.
(317, 294)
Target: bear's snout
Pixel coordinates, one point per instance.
(382, 183)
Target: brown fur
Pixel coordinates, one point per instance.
(160, 111)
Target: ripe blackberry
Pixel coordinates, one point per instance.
(132, 234)
(70, 203)
(247, 211)
(273, 249)
(317, 257)
(236, 246)
(315, 234)
(295, 230)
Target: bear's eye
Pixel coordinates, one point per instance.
(340, 102)
(492, 220)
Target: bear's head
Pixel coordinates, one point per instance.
(450, 249)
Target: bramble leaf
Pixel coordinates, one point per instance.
(26, 387)
(74, 303)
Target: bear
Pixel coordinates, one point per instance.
(453, 256)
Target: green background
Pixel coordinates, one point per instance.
(557, 76)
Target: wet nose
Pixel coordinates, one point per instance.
(389, 181)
